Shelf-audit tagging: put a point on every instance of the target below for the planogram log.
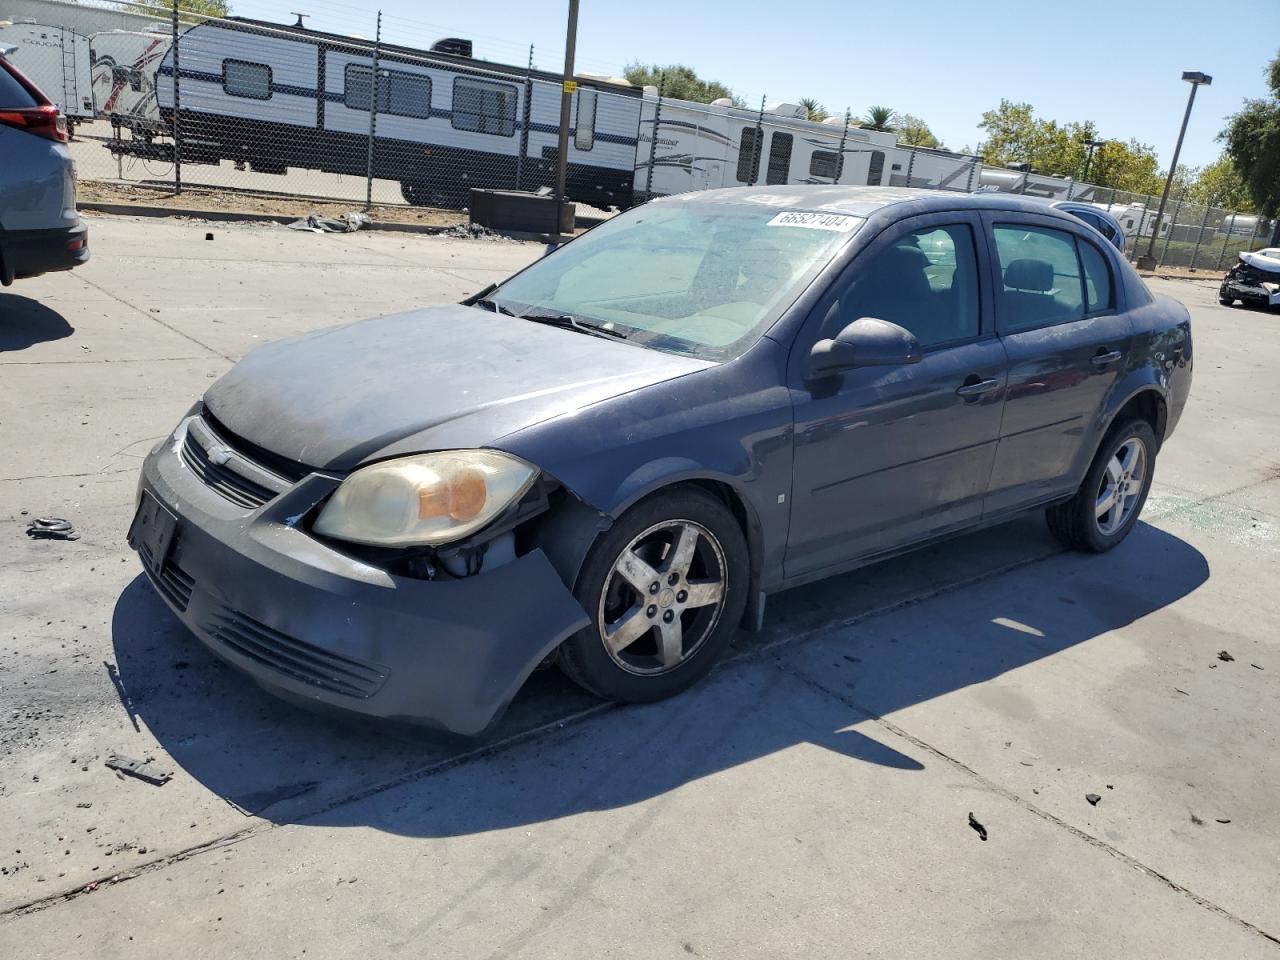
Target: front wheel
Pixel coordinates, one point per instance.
(665, 586)
(1108, 503)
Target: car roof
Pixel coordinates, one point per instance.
(861, 201)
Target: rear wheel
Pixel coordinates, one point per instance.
(665, 587)
(1108, 503)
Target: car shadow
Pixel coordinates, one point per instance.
(825, 662)
(25, 322)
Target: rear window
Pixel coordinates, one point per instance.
(13, 95)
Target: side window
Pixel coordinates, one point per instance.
(927, 282)
(875, 170)
(584, 136)
(825, 164)
(1040, 278)
(400, 93)
(749, 155)
(240, 78)
(779, 157)
(484, 107)
(1097, 277)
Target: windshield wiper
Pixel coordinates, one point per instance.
(495, 306)
(567, 321)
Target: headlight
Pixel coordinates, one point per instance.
(431, 498)
(1271, 287)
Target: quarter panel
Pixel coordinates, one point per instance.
(730, 423)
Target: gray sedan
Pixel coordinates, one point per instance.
(611, 459)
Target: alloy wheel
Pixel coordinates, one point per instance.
(663, 597)
(1121, 486)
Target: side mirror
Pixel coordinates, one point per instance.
(867, 342)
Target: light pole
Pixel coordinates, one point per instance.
(567, 90)
(1088, 157)
(1148, 260)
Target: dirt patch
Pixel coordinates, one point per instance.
(226, 201)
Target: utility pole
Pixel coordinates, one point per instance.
(568, 89)
(1148, 260)
(1088, 158)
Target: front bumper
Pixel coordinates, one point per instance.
(29, 253)
(1249, 293)
(308, 622)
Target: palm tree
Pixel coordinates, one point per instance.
(813, 110)
(879, 118)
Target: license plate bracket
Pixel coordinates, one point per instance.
(153, 531)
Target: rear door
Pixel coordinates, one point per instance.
(1066, 339)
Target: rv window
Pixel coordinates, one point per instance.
(399, 93)
(779, 158)
(749, 155)
(484, 107)
(584, 136)
(240, 78)
(825, 164)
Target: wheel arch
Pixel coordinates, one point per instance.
(572, 528)
(1146, 402)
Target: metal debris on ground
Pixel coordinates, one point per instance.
(1255, 666)
(51, 528)
(1225, 657)
(347, 223)
(1222, 820)
(472, 231)
(982, 831)
(139, 768)
(1093, 798)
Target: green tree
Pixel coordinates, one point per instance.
(879, 118)
(1220, 185)
(201, 8)
(1015, 135)
(678, 81)
(813, 110)
(1252, 138)
(915, 132)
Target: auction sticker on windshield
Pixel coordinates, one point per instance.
(839, 222)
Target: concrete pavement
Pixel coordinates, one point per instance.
(810, 799)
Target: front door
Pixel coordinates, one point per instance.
(888, 455)
(1066, 343)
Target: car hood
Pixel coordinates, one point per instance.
(440, 378)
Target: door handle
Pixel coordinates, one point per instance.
(1105, 358)
(973, 387)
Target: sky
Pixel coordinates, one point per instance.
(1118, 63)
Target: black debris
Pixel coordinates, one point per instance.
(51, 528)
(1093, 798)
(1225, 657)
(208, 236)
(141, 769)
(1222, 820)
(1183, 692)
(852, 659)
(1197, 821)
(982, 831)
(1255, 666)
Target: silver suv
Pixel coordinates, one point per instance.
(39, 229)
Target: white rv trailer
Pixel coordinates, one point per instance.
(124, 77)
(274, 97)
(57, 60)
(699, 146)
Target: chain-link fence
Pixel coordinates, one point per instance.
(168, 101)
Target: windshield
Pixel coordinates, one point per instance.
(703, 279)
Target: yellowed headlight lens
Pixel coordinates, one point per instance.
(431, 498)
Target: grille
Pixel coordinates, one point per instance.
(173, 582)
(293, 657)
(240, 490)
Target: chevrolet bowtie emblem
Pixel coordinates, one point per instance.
(218, 455)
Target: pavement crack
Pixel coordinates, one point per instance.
(1017, 800)
(152, 316)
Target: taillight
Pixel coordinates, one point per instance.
(43, 121)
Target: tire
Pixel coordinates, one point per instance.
(1077, 523)
(644, 668)
(1226, 301)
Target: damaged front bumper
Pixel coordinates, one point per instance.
(311, 623)
(1252, 285)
